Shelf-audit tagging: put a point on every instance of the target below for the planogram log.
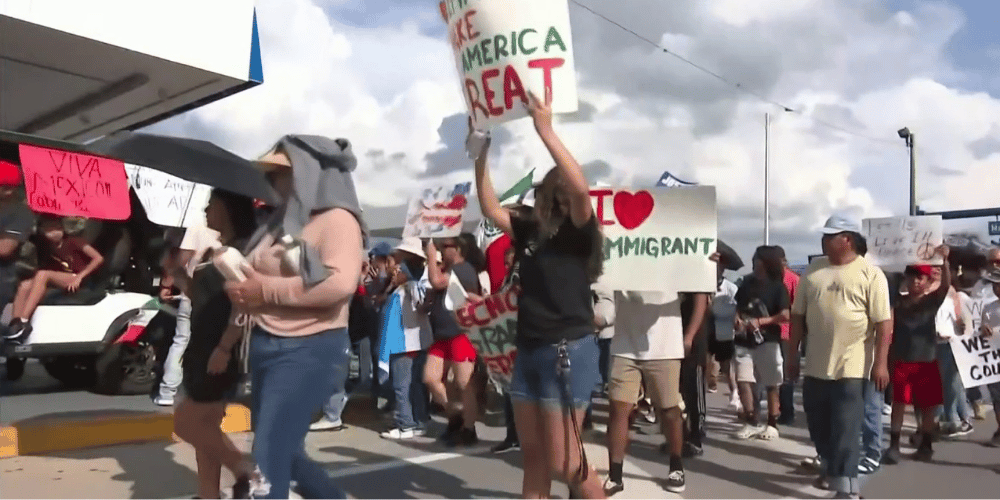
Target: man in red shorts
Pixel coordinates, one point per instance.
(916, 378)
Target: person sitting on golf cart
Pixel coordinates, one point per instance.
(16, 224)
(63, 263)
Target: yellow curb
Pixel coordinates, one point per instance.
(52, 435)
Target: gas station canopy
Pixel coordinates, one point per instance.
(77, 70)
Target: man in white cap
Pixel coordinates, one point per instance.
(843, 305)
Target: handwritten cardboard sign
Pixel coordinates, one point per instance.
(659, 239)
(896, 242)
(978, 359)
(74, 184)
(169, 200)
(437, 213)
(503, 49)
(492, 327)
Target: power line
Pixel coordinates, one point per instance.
(737, 85)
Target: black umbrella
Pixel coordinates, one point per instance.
(729, 257)
(189, 159)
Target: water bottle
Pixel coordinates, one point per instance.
(291, 257)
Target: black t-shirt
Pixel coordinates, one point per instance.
(914, 336)
(17, 222)
(761, 298)
(443, 324)
(556, 301)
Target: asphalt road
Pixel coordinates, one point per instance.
(37, 394)
(370, 467)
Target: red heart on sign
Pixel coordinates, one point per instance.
(633, 209)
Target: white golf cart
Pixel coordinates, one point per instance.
(108, 335)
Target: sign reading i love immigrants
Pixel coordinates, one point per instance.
(659, 239)
(504, 48)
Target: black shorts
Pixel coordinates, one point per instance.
(723, 350)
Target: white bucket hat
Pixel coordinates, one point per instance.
(412, 245)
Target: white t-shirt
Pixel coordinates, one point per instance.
(648, 326)
(198, 239)
(724, 310)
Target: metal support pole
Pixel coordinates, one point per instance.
(767, 179)
(913, 175)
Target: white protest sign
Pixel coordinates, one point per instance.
(896, 242)
(977, 358)
(168, 200)
(504, 48)
(437, 213)
(659, 239)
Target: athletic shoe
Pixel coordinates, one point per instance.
(612, 487)
(886, 410)
(747, 432)
(398, 434)
(675, 481)
(923, 455)
(891, 456)
(690, 450)
(163, 401)
(464, 437)
(770, 433)
(963, 429)
(811, 463)
(867, 466)
(325, 424)
(505, 446)
(995, 441)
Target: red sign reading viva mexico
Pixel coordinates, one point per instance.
(74, 184)
(492, 327)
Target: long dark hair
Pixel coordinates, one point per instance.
(770, 257)
(595, 262)
(471, 251)
(240, 210)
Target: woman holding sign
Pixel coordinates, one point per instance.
(559, 253)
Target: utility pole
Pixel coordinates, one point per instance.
(906, 135)
(767, 179)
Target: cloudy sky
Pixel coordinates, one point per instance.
(380, 73)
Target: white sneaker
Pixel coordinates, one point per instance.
(397, 433)
(325, 424)
(886, 410)
(163, 401)
(747, 432)
(812, 463)
(768, 434)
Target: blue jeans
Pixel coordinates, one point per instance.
(173, 373)
(292, 376)
(955, 409)
(835, 410)
(410, 392)
(871, 433)
(535, 379)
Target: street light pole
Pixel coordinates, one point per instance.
(906, 135)
(767, 179)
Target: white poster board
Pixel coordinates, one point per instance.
(659, 239)
(896, 242)
(168, 200)
(437, 212)
(504, 48)
(978, 359)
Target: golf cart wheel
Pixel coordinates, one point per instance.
(127, 368)
(72, 371)
(15, 369)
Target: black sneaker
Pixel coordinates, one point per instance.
(454, 425)
(505, 446)
(241, 489)
(923, 454)
(464, 437)
(17, 333)
(675, 481)
(891, 456)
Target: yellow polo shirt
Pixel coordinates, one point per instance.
(841, 305)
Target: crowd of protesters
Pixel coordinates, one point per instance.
(312, 290)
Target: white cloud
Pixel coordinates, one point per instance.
(387, 83)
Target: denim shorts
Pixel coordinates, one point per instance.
(536, 380)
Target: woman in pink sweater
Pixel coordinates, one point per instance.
(305, 266)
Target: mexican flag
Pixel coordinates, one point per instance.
(492, 241)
